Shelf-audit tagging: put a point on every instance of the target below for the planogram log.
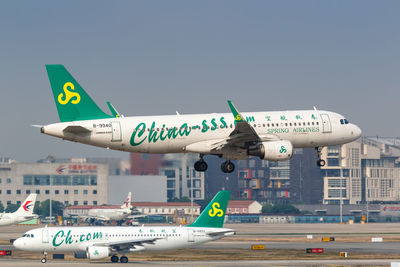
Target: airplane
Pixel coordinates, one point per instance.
(23, 214)
(269, 135)
(99, 216)
(99, 242)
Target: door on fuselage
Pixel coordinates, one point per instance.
(116, 131)
(326, 123)
(45, 236)
(190, 235)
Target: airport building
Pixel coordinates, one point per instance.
(363, 171)
(73, 183)
(295, 181)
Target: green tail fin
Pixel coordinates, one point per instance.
(72, 102)
(214, 214)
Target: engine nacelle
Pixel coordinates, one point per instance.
(272, 150)
(95, 253)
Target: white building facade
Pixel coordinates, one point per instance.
(69, 183)
(182, 178)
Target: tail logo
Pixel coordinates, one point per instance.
(64, 99)
(27, 206)
(216, 211)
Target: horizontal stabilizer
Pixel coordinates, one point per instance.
(224, 232)
(75, 129)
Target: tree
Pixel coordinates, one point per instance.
(285, 208)
(183, 199)
(43, 209)
(12, 207)
(1, 207)
(267, 208)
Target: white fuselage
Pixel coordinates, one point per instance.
(73, 239)
(173, 134)
(109, 214)
(13, 218)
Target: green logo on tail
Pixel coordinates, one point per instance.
(73, 103)
(214, 214)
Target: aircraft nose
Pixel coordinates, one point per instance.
(356, 131)
(18, 243)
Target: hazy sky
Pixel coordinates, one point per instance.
(155, 57)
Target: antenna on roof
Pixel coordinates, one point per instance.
(315, 108)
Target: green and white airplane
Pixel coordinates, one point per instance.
(103, 241)
(270, 135)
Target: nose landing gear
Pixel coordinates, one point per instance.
(320, 162)
(44, 260)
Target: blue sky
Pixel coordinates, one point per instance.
(155, 57)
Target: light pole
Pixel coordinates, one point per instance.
(191, 195)
(341, 199)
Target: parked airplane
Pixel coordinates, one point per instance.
(96, 216)
(98, 242)
(23, 214)
(270, 135)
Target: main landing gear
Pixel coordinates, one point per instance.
(123, 259)
(227, 166)
(200, 165)
(320, 162)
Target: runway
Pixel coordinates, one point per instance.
(360, 247)
(281, 239)
(255, 263)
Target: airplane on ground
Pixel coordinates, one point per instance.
(98, 242)
(23, 214)
(269, 135)
(100, 216)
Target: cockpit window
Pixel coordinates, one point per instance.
(344, 121)
(28, 235)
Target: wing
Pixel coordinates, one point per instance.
(128, 244)
(236, 145)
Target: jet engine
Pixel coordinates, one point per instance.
(272, 150)
(95, 253)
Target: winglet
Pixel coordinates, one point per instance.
(114, 112)
(236, 114)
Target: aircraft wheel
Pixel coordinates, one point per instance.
(123, 259)
(321, 163)
(200, 166)
(44, 260)
(114, 258)
(227, 167)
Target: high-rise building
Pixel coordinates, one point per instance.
(361, 171)
(182, 179)
(146, 164)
